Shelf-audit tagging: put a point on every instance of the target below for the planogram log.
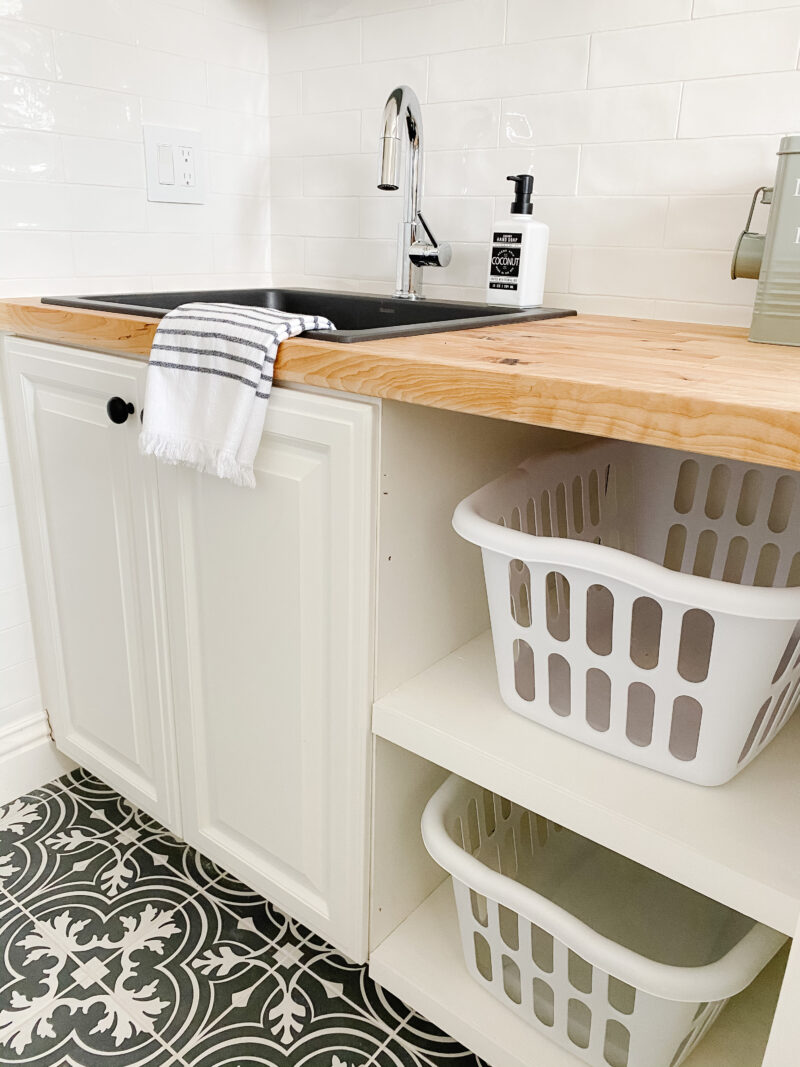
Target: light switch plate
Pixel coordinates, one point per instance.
(174, 164)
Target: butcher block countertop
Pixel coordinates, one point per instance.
(692, 387)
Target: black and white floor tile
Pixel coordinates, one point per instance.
(120, 944)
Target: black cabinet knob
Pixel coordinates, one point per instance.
(118, 409)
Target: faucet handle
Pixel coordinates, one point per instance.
(429, 253)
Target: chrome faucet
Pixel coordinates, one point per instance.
(416, 245)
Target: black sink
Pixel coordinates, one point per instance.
(357, 316)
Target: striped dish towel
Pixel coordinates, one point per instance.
(208, 383)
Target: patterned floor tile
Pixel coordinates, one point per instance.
(44, 837)
(120, 944)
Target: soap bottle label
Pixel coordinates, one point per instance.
(506, 253)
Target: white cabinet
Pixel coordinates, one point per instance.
(269, 602)
(246, 650)
(87, 505)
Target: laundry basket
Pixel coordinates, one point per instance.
(645, 601)
(616, 963)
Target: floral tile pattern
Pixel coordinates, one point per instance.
(120, 944)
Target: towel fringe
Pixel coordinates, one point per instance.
(198, 454)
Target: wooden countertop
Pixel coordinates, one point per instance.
(693, 387)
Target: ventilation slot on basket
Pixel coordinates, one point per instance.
(768, 559)
(509, 926)
(779, 704)
(704, 556)
(577, 504)
(782, 503)
(483, 956)
(749, 498)
(641, 706)
(557, 601)
(524, 678)
(542, 948)
(489, 819)
(735, 561)
(519, 581)
(676, 546)
(794, 572)
(617, 1044)
(598, 699)
(788, 652)
(594, 498)
(718, 486)
(762, 711)
(599, 619)
(686, 486)
(684, 734)
(645, 632)
(543, 1002)
(621, 996)
(579, 1023)
(480, 910)
(694, 653)
(559, 681)
(511, 980)
(579, 972)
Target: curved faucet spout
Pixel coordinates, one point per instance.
(416, 246)
(401, 111)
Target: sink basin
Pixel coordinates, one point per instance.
(357, 316)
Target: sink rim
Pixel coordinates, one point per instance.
(496, 314)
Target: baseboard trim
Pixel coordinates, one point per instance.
(28, 758)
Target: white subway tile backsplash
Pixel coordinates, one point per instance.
(238, 175)
(528, 21)
(11, 568)
(131, 69)
(361, 85)
(688, 311)
(17, 683)
(30, 155)
(286, 176)
(30, 254)
(712, 166)
(33, 104)
(704, 8)
(320, 135)
(335, 216)
(25, 50)
(708, 221)
(483, 172)
(242, 90)
(630, 113)
(466, 218)
(96, 161)
(678, 51)
(109, 20)
(510, 70)
(16, 646)
(142, 253)
(237, 254)
(52, 206)
(348, 257)
(613, 221)
(350, 175)
(310, 47)
(750, 104)
(471, 124)
(696, 276)
(286, 93)
(13, 608)
(443, 27)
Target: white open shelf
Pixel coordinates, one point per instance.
(736, 843)
(421, 962)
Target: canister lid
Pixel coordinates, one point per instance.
(789, 144)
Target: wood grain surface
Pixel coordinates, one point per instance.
(693, 387)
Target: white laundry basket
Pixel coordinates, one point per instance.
(645, 601)
(616, 963)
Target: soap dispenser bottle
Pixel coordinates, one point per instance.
(519, 251)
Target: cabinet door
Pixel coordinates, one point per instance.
(269, 602)
(88, 515)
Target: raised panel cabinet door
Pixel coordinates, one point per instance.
(88, 510)
(269, 603)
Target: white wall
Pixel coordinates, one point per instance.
(647, 124)
(77, 80)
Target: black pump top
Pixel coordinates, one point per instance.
(521, 204)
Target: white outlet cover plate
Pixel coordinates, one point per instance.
(169, 139)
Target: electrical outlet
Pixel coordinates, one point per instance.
(173, 162)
